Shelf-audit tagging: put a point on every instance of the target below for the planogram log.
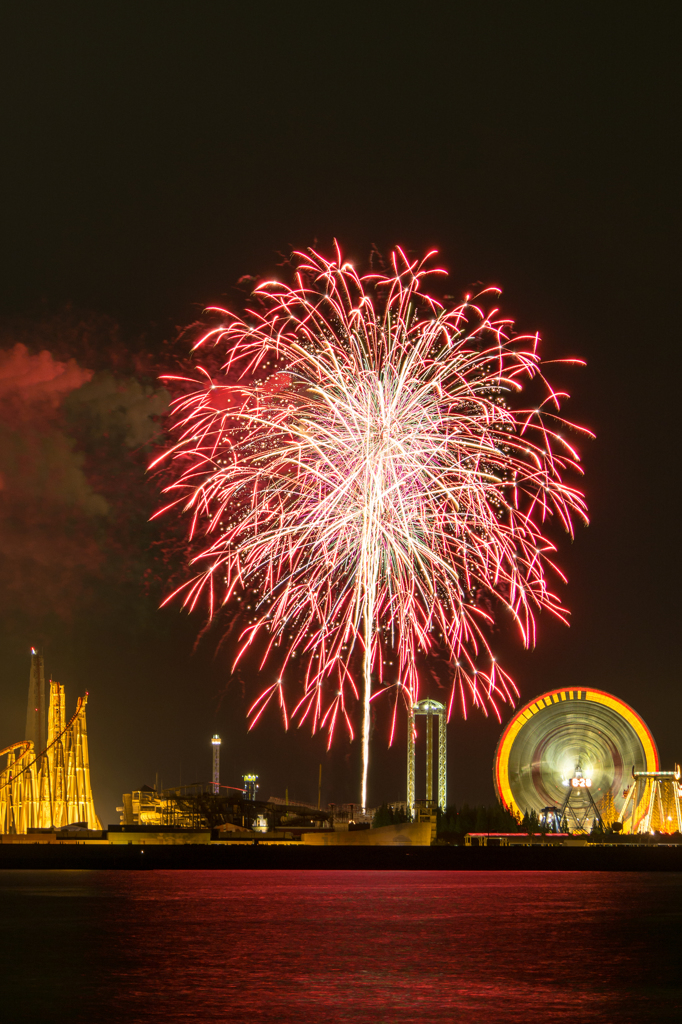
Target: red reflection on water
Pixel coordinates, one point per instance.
(363, 946)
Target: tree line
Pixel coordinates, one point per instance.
(460, 820)
(483, 818)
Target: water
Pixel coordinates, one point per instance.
(332, 946)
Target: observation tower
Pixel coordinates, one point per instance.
(430, 709)
(575, 752)
(215, 743)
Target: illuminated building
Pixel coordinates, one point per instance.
(573, 751)
(430, 709)
(197, 806)
(46, 780)
(179, 807)
(250, 786)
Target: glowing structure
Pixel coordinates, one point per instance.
(576, 814)
(35, 709)
(536, 758)
(430, 709)
(215, 743)
(659, 793)
(550, 819)
(250, 786)
(364, 483)
(48, 788)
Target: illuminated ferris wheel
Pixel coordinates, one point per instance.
(577, 750)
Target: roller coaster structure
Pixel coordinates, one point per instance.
(48, 788)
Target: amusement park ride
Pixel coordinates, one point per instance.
(661, 794)
(584, 758)
(46, 780)
(430, 709)
(578, 758)
(579, 813)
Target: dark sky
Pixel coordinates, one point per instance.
(155, 153)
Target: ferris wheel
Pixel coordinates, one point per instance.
(575, 751)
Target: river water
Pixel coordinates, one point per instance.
(332, 946)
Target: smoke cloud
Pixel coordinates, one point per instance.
(73, 497)
(126, 408)
(38, 379)
(38, 462)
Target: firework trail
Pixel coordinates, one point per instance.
(362, 475)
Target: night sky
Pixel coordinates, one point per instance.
(153, 154)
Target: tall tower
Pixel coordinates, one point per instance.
(35, 712)
(215, 743)
(431, 709)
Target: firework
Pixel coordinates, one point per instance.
(362, 473)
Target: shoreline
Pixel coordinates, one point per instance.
(294, 857)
